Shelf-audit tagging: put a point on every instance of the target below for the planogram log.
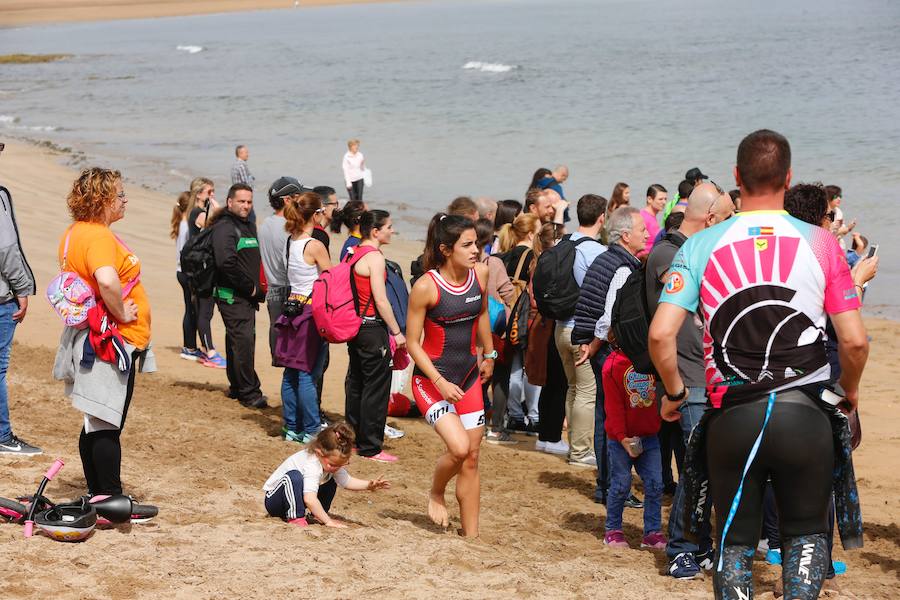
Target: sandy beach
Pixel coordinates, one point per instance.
(202, 458)
(18, 13)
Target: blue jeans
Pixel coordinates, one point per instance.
(7, 329)
(691, 412)
(599, 425)
(299, 401)
(523, 396)
(649, 467)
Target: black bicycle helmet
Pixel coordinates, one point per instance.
(68, 522)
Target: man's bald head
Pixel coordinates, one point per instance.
(560, 173)
(707, 206)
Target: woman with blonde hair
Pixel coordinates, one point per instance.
(517, 247)
(202, 206)
(179, 232)
(103, 393)
(298, 344)
(354, 167)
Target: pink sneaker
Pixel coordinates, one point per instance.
(654, 540)
(301, 522)
(382, 457)
(615, 539)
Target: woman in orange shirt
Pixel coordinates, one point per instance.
(103, 392)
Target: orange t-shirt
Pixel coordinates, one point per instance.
(93, 245)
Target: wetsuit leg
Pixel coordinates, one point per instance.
(796, 450)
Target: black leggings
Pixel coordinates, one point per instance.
(355, 191)
(368, 386)
(797, 453)
(205, 308)
(101, 451)
(189, 321)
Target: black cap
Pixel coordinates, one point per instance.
(286, 186)
(695, 174)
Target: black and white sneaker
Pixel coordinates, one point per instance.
(632, 501)
(705, 560)
(16, 446)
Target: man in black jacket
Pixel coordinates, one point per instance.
(238, 292)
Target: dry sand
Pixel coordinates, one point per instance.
(202, 458)
(17, 13)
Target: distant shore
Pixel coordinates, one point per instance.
(19, 13)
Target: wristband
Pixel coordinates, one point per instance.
(679, 396)
(394, 334)
(490, 355)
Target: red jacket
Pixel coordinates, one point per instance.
(629, 399)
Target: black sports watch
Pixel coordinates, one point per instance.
(679, 396)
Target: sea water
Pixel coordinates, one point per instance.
(470, 97)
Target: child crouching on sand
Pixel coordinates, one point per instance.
(308, 480)
(632, 422)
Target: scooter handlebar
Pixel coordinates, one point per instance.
(54, 468)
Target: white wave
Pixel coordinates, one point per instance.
(486, 67)
(190, 49)
(11, 122)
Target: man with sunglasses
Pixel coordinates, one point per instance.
(272, 246)
(330, 204)
(16, 284)
(706, 206)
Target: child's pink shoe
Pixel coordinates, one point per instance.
(301, 522)
(615, 539)
(654, 540)
(383, 457)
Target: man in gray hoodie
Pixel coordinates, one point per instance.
(16, 284)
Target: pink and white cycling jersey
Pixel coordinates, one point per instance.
(765, 283)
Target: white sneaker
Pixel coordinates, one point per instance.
(560, 447)
(394, 434)
(540, 446)
(589, 461)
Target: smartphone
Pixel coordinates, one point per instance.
(873, 251)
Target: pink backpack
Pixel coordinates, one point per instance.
(334, 300)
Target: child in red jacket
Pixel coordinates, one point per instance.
(632, 422)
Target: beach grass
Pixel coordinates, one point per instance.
(23, 59)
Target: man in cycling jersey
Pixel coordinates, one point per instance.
(764, 283)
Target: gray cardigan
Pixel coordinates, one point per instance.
(16, 278)
(100, 391)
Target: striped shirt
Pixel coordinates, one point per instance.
(240, 173)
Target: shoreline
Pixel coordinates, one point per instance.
(21, 13)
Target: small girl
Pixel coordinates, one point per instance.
(308, 479)
(632, 424)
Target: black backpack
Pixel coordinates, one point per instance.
(555, 289)
(198, 263)
(631, 319)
